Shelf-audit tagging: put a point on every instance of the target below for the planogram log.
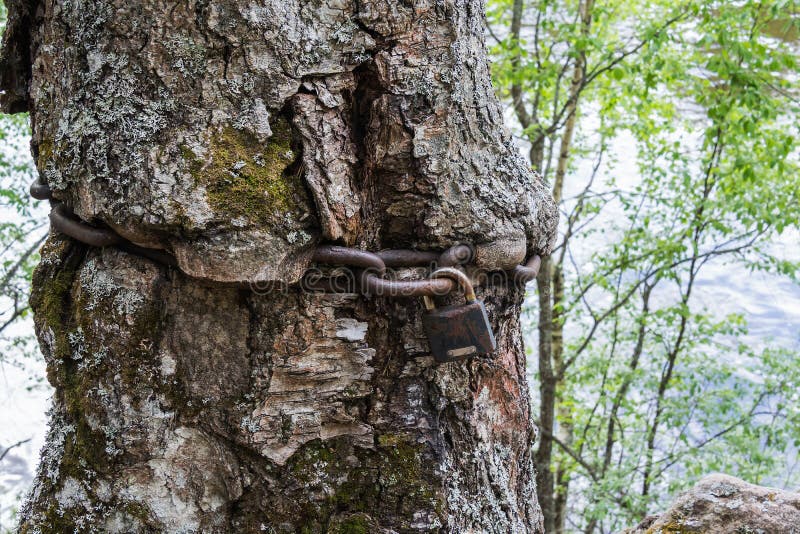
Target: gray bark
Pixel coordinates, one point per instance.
(238, 136)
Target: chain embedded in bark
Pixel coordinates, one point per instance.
(371, 266)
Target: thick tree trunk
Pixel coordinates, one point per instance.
(239, 135)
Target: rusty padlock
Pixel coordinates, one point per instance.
(458, 331)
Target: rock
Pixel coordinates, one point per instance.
(724, 504)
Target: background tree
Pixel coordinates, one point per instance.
(238, 137)
(642, 389)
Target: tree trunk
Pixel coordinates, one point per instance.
(217, 396)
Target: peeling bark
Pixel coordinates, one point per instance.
(238, 136)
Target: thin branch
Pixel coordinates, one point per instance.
(574, 455)
(20, 262)
(14, 446)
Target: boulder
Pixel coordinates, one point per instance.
(724, 504)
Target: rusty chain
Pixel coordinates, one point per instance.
(371, 266)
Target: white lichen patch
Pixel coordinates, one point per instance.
(77, 342)
(351, 329)
(99, 285)
(248, 424)
(93, 360)
(425, 520)
(72, 494)
(168, 364)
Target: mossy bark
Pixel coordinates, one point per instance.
(238, 136)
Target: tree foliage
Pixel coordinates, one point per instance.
(22, 230)
(644, 388)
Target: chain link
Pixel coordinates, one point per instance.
(371, 267)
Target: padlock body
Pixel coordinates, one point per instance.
(458, 332)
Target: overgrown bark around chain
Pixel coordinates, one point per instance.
(238, 136)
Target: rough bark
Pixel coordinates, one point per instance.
(238, 135)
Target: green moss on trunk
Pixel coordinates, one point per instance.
(391, 478)
(86, 353)
(245, 178)
(52, 284)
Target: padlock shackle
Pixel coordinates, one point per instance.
(458, 277)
